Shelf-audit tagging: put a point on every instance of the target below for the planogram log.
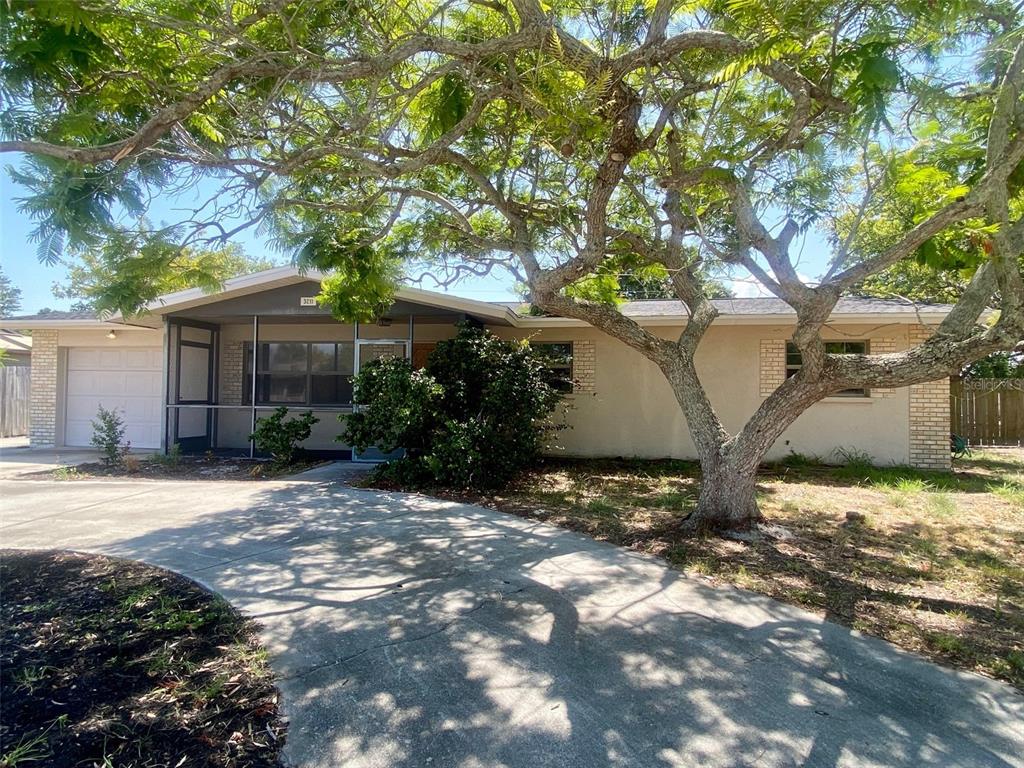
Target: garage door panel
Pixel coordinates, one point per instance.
(138, 381)
(125, 379)
(77, 432)
(83, 382)
(112, 382)
(147, 359)
(82, 358)
(140, 409)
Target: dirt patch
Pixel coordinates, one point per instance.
(108, 662)
(179, 468)
(931, 561)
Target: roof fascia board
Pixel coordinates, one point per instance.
(233, 288)
(447, 301)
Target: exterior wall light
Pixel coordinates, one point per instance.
(111, 334)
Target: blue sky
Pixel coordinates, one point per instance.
(19, 262)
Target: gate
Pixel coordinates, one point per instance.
(988, 411)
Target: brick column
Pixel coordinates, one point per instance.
(584, 362)
(929, 416)
(42, 428)
(773, 365)
(231, 374)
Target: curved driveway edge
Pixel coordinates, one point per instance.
(412, 632)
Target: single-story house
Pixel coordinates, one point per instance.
(185, 372)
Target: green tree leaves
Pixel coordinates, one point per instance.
(445, 104)
(96, 276)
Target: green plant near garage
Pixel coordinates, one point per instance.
(108, 436)
(477, 414)
(280, 436)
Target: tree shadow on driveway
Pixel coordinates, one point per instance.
(412, 632)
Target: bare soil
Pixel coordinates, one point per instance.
(107, 662)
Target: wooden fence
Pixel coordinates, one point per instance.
(987, 411)
(14, 388)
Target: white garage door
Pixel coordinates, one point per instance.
(125, 378)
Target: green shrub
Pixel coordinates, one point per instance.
(170, 459)
(399, 407)
(280, 438)
(108, 437)
(472, 418)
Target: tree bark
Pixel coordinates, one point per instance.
(728, 497)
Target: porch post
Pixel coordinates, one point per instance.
(255, 353)
(355, 347)
(408, 351)
(165, 387)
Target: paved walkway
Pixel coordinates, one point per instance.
(411, 632)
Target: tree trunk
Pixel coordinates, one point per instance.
(727, 498)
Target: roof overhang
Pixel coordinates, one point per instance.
(285, 276)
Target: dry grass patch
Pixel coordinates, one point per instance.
(933, 562)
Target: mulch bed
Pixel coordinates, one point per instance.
(108, 662)
(184, 468)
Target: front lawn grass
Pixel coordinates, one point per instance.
(931, 561)
(107, 662)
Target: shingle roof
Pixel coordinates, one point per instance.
(767, 305)
(54, 315)
(852, 305)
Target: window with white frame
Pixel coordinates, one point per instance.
(301, 373)
(794, 361)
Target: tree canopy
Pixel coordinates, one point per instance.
(120, 270)
(10, 296)
(568, 143)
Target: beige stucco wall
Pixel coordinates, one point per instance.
(97, 337)
(632, 411)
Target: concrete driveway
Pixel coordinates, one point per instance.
(412, 632)
(17, 459)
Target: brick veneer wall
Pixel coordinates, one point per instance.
(231, 373)
(42, 429)
(882, 346)
(929, 416)
(584, 362)
(773, 365)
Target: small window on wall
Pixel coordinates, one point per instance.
(558, 362)
(300, 373)
(794, 361)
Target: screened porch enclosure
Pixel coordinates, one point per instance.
(230, 363)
